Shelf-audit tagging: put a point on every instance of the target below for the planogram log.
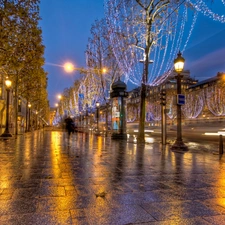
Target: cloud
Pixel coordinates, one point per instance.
(209, 64)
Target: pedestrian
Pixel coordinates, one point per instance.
(69, 125)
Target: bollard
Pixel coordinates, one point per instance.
(221, 145)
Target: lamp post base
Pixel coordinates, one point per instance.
(179, 146)
(6, 135)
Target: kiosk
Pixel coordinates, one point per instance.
(118, 96)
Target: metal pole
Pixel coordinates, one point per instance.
(26, 129)
(36, 122)
(221, 145)
(163, 124)
(6, 133)
(179, 131)
(179, 145)
(106, 117)
(7, 113)
(97, 119)
(29, 121)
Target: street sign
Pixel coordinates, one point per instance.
(180, 99)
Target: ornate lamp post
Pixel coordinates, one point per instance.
(6, 134)
(179, 66)
(97, 115)
(36, 125)
(29, 106)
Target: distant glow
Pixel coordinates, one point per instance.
(69, 67)
(8, 83)
(135, 131)
(104, 70)
(213, 134)
(149, 140)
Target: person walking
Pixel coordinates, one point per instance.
(69, 125)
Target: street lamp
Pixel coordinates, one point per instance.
(36, 112)
(69, 68)
(6, 133)
(179, 66)
(29, 106)
(97, 115)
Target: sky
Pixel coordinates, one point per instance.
(66, 28)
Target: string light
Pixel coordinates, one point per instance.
(132, 114)
(201, 6)
(164, 50)
(174, 35)
(215, 100)
(153, 112)
(193, 105)
(223, 1)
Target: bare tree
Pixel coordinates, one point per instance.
(104, 69)
(100, 57)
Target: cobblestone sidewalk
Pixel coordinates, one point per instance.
(46, 178)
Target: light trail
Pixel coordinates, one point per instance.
(53, 64)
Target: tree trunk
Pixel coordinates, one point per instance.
(141, 133)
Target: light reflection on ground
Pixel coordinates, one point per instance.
(48, 178)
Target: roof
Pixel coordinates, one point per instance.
(208, 81)
(119, 84)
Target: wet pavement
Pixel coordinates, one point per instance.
(47, 179)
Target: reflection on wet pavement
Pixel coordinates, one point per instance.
(46, 178)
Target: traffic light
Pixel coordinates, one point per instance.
(163, 97)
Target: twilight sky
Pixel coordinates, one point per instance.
(66, 29)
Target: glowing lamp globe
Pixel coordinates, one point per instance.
(104, 70)
(8, 83)
(179, 63)
(68, 67)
